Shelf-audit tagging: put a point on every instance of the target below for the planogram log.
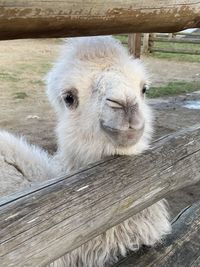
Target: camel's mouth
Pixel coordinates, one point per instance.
(122, 138)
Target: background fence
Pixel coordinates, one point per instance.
(179, 43)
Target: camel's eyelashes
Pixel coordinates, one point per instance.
(71, 98)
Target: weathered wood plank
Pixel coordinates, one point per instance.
(45, 223)
(180, 249)
(176, 50)
(134, 44)
(145, 47)
(33, 19)
(176, 40)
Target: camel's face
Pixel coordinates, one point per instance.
(103, 102)
(121, 117)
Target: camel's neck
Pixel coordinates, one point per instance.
(77, 152)
(73, 157)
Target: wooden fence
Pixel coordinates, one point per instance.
(111, 190)
(87, 203)
(176, 38)
(180, 249)
(150, 42)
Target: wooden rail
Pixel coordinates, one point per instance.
(181, 248)
(37, 19)
(188, 34)
(179, 39)
(41, 225)
(176, 51)
(175, 40)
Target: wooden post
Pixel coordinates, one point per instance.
(172, 35)
(134, 44)
(145, 46)
(151, 41)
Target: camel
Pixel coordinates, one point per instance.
(98, 92)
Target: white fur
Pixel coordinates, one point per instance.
(99, 68)
(21, 164)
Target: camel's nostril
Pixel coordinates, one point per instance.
(134, 107)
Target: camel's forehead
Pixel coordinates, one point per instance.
(90, 58)
(122, 84)
(96, 54)
(93, 48)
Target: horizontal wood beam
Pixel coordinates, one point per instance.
(180, 248)
(176, 50)
(176, 40)
(39, 19)
(39, 226)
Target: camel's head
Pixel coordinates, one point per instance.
(98, 91)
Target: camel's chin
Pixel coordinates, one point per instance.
(135, 149)
(122, 138)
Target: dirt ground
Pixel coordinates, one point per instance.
(25, 109)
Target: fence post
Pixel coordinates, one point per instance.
(145, 47)
(151, 41)
(134, 44)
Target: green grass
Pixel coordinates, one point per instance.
(121, 38)
(38, 66)
(177, 56)
(173, 88)
(37, 82)
(20, 95)
(8, 77)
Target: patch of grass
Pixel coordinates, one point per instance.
(5, 76)
(177, 56)
(173, 88)
(122, 38)
(37, 82)
(37, 66)
(45, 67)
(20, 95)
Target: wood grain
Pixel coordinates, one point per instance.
(134, 44)
(38, 226)
(180, 249)
(39, 19)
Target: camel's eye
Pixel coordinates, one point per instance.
(144, 89)
(71, 98)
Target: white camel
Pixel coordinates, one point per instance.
(98, 92)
